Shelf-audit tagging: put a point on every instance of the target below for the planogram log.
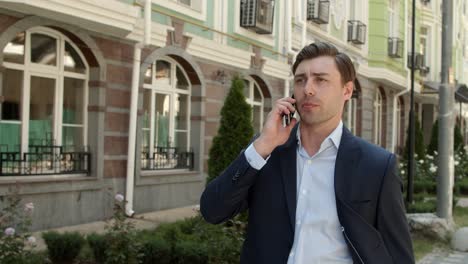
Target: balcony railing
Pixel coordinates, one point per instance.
(44, 160)
(318, 11)
(395, 48)
(356, 32)
(166, 158)
(257, 15)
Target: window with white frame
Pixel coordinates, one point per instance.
(44, 102)
(378, 118)
(194, 4)
(424, 42)
(393, 19)
(255, 99)
(44, 90)
(351, 114)
(166, 113)
(355, 8)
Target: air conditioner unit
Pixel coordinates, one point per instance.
(356, 32)
(318, 11)
(257, 15)
(395, 47)
(418, 61)
(426, 2)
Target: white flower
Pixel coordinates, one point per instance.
(433, 169)
(421, 161)
(429, 156)
(119, 197)
(435, 152)
(457, 162)
(402, 171)
(29, 207)
(31, 240)
(10, 231)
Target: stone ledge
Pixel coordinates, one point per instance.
(431, 225)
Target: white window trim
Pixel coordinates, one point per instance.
(184, 9)
(268, 39)
(378, 118)
(252, 103)
(398, 125)
(172, 92)
(57, 73)
(393, 12)
(352, 115)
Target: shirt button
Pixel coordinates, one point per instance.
(291, 254)
(309, 162)
(298, 222)
(304, 191)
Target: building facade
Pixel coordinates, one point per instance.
(122, 96)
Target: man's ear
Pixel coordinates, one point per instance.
(348, 90)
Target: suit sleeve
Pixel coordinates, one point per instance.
(227, 194)
(391, 218)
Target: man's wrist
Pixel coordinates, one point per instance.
(263, 147)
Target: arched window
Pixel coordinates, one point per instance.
(378, 118)
(255, 99)
(44, 93)
(166, 113)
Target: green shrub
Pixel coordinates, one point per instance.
(425, 186)
(155, 250)
(422, 207)
(189, 251)
(461, 187)
(63, 248)
(235, 130)
(98, 245)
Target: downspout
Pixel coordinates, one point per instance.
(304, 24)
(129, 188)
(395, 98)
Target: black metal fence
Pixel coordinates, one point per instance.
(166, 158)
(45, 160)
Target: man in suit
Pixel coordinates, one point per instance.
(314, 192)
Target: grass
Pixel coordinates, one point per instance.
(423, 245)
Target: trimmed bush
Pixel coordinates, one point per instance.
(189, 251)
(235, 130)
(98, 245)
(63, 248)
(422, 207)
(156, 250)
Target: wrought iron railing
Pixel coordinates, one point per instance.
(166, 158)
(45, 160)
(318, 11)
(356, 32)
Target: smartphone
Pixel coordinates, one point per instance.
(287, 118)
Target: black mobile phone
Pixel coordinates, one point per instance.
(287, 118)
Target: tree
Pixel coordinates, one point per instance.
(235, 130)
(434, 144)
(419, 148)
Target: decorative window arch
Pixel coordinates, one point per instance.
(165, 140)
(256, 99)
(44, 105)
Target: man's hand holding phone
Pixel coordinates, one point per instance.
(277, 127)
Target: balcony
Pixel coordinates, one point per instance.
(356, 32)
(257, 15)
(166, 158)
(395, 48)
(318, 11)
(45, 160)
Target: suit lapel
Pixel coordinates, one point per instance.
(288, 173)
(347, 159)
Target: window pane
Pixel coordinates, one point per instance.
(41, 110)
(145, 140)
(149, 74)
(72, 138)
(10, 137)
(257, 115)
(11, 92)
(14, 50)
(161, 135)
(257, 94)
(181, 141)
(73, 93)
(246, 89)
(72, 60)
(43, 49)
(181, 114)
(146, 108)
(182, 82)
(163, 72)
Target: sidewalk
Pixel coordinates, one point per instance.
(141, 221)
(454, 257)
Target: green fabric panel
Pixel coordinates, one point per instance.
(10, 137)
(40, 130)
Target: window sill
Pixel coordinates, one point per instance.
(168, 177)
(45, 178)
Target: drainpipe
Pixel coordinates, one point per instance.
(304, 24)
(395, 98)
(129, 188)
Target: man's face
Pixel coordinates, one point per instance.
(319, 91)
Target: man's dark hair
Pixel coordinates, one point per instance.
(343, 62)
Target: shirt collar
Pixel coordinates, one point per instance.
(335, 135)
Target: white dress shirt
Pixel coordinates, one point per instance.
(317, 237)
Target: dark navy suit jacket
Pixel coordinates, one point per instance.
(368, 200)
